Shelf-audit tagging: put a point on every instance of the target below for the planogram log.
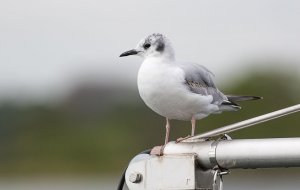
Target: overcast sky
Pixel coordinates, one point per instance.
(46, 47)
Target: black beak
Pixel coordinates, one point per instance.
(130, 52)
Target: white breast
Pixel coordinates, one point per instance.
(161, 86)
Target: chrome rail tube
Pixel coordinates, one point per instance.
(241, 153)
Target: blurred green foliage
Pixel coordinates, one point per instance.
(92, 133)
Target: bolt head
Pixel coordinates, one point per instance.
(135, 177)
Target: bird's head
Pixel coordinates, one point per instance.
(155, 45)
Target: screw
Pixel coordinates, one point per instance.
(135, 177)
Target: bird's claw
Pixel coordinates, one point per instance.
(182, 139)
(158, 150)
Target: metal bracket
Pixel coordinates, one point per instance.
(212, 154)
(219, 172)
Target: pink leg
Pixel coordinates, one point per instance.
(167, 131)
(193, 121)
(159, 150)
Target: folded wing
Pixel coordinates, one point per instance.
(199, 80)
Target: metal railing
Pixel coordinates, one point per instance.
(200, 161)
(241, 153)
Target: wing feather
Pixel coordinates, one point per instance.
(200, 81)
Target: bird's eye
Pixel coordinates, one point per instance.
(146, 46)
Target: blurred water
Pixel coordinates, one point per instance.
(264, 179)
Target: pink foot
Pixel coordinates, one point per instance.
(158, 150)
(182, 139)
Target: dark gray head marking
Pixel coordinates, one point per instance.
(155, 39)
(160, 46)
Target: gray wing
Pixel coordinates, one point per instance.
(200, 81)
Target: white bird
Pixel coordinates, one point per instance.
(178, 90)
